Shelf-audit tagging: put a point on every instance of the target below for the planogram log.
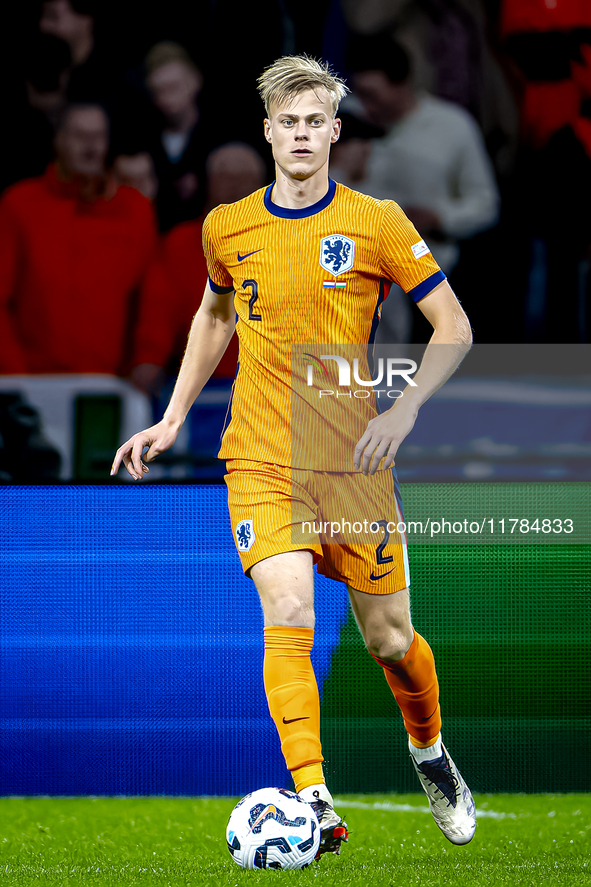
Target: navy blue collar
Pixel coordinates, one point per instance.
(306, 211)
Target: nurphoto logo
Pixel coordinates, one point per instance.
(387, 371)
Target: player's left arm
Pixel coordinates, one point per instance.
(449, 344)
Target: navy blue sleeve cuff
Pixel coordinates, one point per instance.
(424, 288)
(220, 290)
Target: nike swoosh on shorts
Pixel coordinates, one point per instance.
(375, 578)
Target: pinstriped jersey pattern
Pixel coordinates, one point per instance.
(273, 263)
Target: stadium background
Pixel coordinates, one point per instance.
(130, 641)
(132, 649)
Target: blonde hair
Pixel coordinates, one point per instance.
(291, 75)
(165, 52)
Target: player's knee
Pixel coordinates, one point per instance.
(389, 645)
(288, 609)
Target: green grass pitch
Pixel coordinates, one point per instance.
(520, 840)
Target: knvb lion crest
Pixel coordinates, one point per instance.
(337, 254)
(245, 536)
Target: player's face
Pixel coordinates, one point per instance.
(301, 133)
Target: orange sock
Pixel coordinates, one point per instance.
(413, 681)
(292, 694)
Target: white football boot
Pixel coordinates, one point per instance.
(450, 799)
(333, 829)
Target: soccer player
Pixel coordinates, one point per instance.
(306, 261)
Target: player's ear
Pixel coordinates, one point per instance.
(267, 125)
(336, 130)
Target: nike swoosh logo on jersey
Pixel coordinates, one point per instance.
(242, 258)
(291, 720)
(375, 578)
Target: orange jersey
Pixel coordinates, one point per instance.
(306, 279)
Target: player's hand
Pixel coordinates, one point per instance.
(383, 436)
(158, 438)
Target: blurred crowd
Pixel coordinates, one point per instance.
(124, 127)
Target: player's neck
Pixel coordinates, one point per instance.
(293, 193)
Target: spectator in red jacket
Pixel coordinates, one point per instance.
(547, 40)
(175, 283)
(74, 248)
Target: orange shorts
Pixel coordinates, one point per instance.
(351, 523)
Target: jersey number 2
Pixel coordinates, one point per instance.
(380, 559)
(255, 294)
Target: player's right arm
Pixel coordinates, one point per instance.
(211, 331)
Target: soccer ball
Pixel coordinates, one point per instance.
(273, 828)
